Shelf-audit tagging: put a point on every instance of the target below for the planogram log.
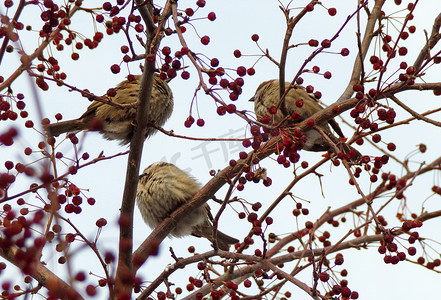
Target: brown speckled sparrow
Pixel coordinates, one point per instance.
(117, 123)
(162, 188)
(267, 95)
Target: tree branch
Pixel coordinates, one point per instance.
(26, 60)
(435, 36)
(367, 39)
(414, 113)
(125, 268)
(43, 275)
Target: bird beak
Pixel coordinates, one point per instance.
(252, 99)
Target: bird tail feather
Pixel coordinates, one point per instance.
(58, 128)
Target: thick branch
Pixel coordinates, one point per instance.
(125, 268)
(43, 275)
(133, 166)
(145, 9)
(435, 36)
(291, 23)
(365, 43)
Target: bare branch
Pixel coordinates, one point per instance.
(434, 38)
(26, 60)
(414, 113)
(40, 273)
(6, 39)
(125, 267)
(291, 278)
(365, 43)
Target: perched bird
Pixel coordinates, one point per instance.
(303, 106)
(118, 123)
(162, 188)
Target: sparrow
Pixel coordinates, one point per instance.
(162, 188)
(300, 106)
(116, 123)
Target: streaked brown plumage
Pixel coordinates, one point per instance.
(162, 188)
(267, 95)
(117, 123)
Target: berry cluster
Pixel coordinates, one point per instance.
(7, 103)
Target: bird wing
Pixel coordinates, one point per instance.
(91, 110)
(317, 107)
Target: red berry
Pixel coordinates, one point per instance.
(221, 110)
(29, 124)
(251, 71)
(211, 16)
(189, 12)
(214, 62)
(247, 283)
(326, 43)
(205, 39)
(231, 108)
(189, 121)
(374, 59)
(107, 6)
(391, 147)
(376, 138)
(27, 151)
(233, 96)
(402, 51)
(404, 35)
(332, 11)
(246, 143)
(200, 122)
(267, 182)
(243, 155)
(185, 75)
(241, 71)
(115, 69)
(309, 7)
(99, 18)
(410, 70)
(166, 51)
(313, 43)
(324, 276)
